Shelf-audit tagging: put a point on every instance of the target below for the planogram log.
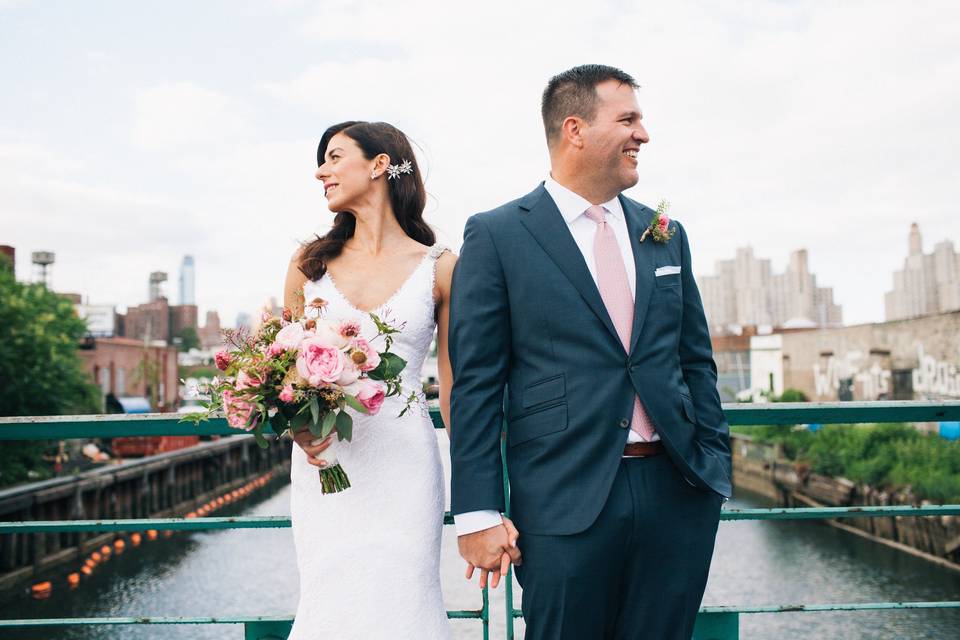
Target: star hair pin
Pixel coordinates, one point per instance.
(660, 228)
(394, 170)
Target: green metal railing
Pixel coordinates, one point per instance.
(713, 623)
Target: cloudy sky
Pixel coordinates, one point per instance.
(134, 133)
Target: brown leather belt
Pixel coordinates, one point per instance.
(643, 449)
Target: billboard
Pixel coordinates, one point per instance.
(100, 319)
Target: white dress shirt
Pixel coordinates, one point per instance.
(572, 207)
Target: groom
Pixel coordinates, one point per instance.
(587, 333)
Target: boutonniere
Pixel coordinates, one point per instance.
(660, 229)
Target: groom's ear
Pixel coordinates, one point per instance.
(572, 131)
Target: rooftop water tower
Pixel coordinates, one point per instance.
(41, 263)
(156, 279)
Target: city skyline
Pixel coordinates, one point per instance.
(757, 138)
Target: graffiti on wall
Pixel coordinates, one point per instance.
(931, 377)
(871, 378)
(935, 377)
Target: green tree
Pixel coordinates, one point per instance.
(188, 339)
(40, 370)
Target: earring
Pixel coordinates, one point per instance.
(373, 175)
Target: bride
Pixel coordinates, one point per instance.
(369, 557)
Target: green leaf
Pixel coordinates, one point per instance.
(315, 411)
(329, 420)
(344, 426)
(355, 404)
(279, 423)
(391, 365)
(258, 434)
(299, 421)
(315, 428)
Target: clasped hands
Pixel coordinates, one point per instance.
(491, 550)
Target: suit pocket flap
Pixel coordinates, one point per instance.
(539, 423)
(544, 391)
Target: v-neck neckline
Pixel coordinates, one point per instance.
(385, 303)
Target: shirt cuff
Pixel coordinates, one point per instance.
(473, 521)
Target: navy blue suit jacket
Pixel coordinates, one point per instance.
(526, 316)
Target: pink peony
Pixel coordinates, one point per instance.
(370, 393)
(372, 357)
(350, 373)
(290, 336)
(319, 363)
(223, 359)
(238, 411)
(247, 380)
(286, 394)
(276, 349)
(329, 334)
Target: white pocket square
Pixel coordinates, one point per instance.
(666, 271)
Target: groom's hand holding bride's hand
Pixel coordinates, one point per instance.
(491, 550)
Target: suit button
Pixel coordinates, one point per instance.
(624, 423)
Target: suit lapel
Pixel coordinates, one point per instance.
(547, 226)
(638, 218)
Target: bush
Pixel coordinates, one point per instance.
(890, 456)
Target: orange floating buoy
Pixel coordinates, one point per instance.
(90, 563)
(73, 580)
(106, 551)
(135, 539)
(235, 493)
(119, 545)
(41, 590)
(167, 533)
(152, 534)
(220, 502)
(86, 570)
(96, 557)
(192, 514)
(227, 497)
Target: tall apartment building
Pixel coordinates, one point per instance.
(928, 283)
(744, 291)
(188, 281)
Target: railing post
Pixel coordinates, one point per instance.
(267, 630)
(717, 626)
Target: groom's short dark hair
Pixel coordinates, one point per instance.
(574, 93)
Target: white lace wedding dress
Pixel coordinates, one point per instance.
(369, 557)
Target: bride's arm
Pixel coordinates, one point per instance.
(445, 266)
(293, 287)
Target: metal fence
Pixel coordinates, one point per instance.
(713, 623)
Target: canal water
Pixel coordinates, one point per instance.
(249, 572)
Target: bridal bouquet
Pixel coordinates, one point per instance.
(305, 372)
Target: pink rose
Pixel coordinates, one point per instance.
(318, 362)
(238, 411)
(223, 359)
(371, 357)
(276, 349)
(246, 380)
(290, 336)
(265, 316)
(664, 221)
(286, 394)
(370, 394)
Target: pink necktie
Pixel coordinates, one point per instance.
(615, 291)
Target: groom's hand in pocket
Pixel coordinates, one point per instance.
(491, 550)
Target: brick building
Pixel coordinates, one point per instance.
(126, 367)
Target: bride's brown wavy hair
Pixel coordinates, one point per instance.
(408, 195)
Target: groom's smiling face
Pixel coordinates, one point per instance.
(612, 139)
